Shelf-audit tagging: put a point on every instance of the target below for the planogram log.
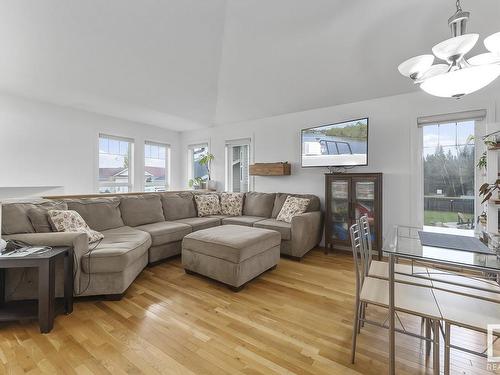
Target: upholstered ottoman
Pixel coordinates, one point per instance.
(231, 254)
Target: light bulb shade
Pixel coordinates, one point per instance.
(455, 48)
(484, 59)
(416, 66)
(461, 82)
(434, 70)
(492, 43)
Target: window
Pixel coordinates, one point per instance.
(449, 174)
(237, 166)
(115, 164)
(195, 170)
(156, 159)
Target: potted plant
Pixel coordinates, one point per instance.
(486, 190)
(196, 183)
(206, 160)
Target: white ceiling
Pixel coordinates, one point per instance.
(184, 64)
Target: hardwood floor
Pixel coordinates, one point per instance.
(296, 319)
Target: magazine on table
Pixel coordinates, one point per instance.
(24, 251)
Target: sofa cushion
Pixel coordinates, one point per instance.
(15, 215)
(285, 229)
(119, 248)
(220, 217)
(39, 218)
(178, 205)
(71, 221)
(247, 221)
(166, 231)
(293, 206)
(259, 204)
(141, 209)
(231, 203)
(198, 223)
(99, 213)
(231, 242)
(314, 203)
(207, 204)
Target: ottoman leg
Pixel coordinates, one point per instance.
(272, 268)
(236, 289)
(189, 272)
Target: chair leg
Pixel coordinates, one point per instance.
(447, 341)
(428, 323)
(355, 327)
(363, 316)
(361, 309)
(435, 348)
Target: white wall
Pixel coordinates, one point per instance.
(393, 148)
(48, 149)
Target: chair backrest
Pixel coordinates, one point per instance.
(366, 242)
(359, 261)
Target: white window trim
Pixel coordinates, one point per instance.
(167, 163)
(228, 171)
(131, 171)
(417, 188)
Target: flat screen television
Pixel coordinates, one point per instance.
(344, 144)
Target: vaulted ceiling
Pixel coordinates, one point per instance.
(184, 64)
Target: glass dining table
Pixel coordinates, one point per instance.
(403, 242)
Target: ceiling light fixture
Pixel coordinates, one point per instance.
(459, 75)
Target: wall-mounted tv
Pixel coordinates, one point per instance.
(344, 144)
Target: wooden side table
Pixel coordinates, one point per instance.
(46, 308)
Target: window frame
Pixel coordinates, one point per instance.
(229, 144)
(130, 183)
(416, 148)
(190, 157)
(167, 163)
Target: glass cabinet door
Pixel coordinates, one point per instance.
(340, 220)
(364, 202)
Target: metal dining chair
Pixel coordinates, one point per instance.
(405, 273)
(380, 269)
(466, 312)
(411, 299)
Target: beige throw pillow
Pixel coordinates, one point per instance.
(71, 221)
(207, 204)
(231, 203)
(293, 206)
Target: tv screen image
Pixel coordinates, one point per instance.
(336, 145)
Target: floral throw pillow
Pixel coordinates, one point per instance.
(71, 221)
(231, 203)
(207, 204)
(293, 206)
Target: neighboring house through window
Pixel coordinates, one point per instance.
(115, 164)
(156, 170)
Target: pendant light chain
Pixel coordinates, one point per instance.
(459, 8)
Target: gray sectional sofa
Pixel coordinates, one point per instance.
(139, 230)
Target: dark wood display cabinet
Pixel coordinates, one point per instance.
(349, 196)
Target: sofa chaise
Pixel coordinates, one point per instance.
(138, 230)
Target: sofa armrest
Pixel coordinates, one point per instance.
(77, 240)
(307, 230)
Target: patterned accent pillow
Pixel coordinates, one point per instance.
(232, 203)
(71, 221)
(207, 204)
(293, 206)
